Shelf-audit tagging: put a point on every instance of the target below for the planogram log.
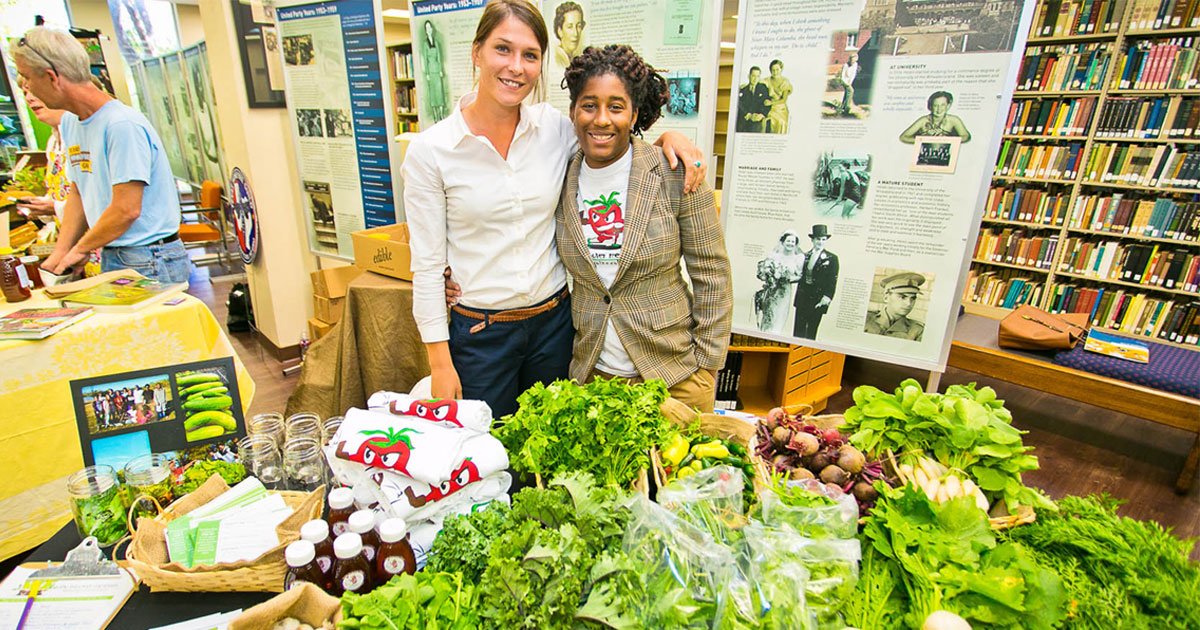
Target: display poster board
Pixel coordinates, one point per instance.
(862, 136)
(208, 132)
(159, 410)
(181, 102)
(338, 102)
(680, 38)
(156, 103)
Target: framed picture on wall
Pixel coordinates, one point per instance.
(255, 65)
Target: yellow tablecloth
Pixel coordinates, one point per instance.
(39, 439)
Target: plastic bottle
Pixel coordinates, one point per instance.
(351, 571)
(302, 565)
(317, 533)
(395, 554)
(341, 506)
(362, 523)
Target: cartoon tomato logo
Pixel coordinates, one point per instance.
(389, 449)
(432, 409)
(465, 474)
(605, 217)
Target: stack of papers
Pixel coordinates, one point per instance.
(238, 525)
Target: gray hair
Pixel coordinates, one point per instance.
(51, 49)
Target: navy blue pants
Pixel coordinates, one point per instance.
(504, 359)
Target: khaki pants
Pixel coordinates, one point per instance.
(698, 391)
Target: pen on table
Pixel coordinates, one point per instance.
(34, 587)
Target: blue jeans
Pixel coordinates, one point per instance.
(168, 262)
(504, 359)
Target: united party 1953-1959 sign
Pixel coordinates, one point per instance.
(243, 215)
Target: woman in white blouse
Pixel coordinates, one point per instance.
(480, 188)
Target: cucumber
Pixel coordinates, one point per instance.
(199, 387)
(187, 380)
(209, 393)
(208, 403)
(205, 433)
(208, 418)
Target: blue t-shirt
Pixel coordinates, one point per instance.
(116, 145)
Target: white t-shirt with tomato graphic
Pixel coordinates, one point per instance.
(602, 193)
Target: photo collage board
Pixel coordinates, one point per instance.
(159, 410)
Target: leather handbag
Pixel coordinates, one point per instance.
(1031, 328)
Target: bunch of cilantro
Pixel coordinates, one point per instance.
(965, 428)
(605, 428)
(925, 556)
(1119, 572)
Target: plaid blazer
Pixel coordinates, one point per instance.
(668, 330)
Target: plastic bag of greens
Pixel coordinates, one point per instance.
(685, 572)
(813, 509)
(831, 564)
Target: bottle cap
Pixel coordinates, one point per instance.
(300, 553)
(347, 545)
(314, 531)
(362, 521)
(393, 530)
(341, 498)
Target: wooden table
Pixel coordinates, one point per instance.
(974, 349)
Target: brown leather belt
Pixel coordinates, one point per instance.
(512, 315)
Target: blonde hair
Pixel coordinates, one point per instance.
(49, 49)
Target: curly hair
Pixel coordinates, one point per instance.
(647, 89)
(560, 14)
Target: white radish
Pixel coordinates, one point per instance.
(944, 620)
(954, 487)
(980, 500)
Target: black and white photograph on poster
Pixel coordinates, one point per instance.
(763, 99)
(850, 77)
(840, 183)
(779, 271)
(435, 91)
(937, 121)
(685, 96)
(899, 303)
(817, 284)
(320, 204)
(935, 154)
(308, 123)
(338, 124)
(298, 50)
(568, 32)
(921, 27)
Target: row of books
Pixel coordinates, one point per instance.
(402, 64)
(729, 378)
(1051, 117)
(1136, 165)
(1165, 65)
(1157, 265)
(1016, 247)
(1149, 15)
(1057, 18)
(1032, 205)
(1131, 312)
(406, 99)
(1064, 67)
(1045, 161)
(1161, 117)
(1161, 217)
(404, 126)
(1005, 288)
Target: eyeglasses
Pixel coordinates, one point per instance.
(25, 44)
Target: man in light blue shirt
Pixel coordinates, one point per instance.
(123, 197)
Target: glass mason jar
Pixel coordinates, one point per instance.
(330, 428)
(304, 464)
(148, 476)
(269, 425)
(260, 456)
(97, 504)
(303, 425)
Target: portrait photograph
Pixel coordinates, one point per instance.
(899, 303)
(850, 74)
(763, 95)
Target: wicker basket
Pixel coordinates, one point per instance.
(712, 425)
(146, 551)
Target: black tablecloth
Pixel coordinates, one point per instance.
(145, 609)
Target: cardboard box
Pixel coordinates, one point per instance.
(332, 283)
(384, 250)
(328, 310)
(317, 329)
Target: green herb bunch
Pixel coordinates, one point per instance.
(605, 428)
(427, 600)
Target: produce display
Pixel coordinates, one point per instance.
(413, 602)
(200, 470)
(206, 403)
(689, 451)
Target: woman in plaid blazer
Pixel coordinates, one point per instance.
(623, 223)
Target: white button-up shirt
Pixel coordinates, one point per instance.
(490, 219)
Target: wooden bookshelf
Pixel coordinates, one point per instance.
(1053, 281)
(404, 87)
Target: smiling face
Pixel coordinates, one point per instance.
(900, 302)
(791, 242)
(754, 75)
(940, 106)
(776, 70)
(571, 30)
(604, 116)
(819, 242)
(509, 63)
